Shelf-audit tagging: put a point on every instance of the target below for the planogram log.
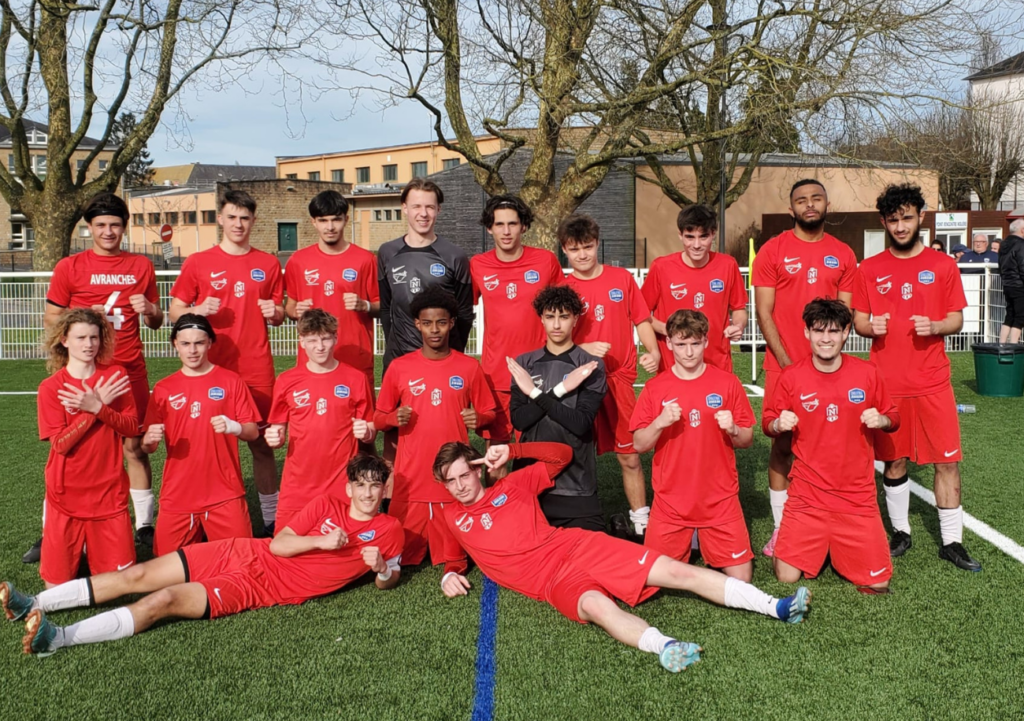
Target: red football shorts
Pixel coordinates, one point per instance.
(230, 573)
(599, 562)
(226, 520)
(263, 397)
(140, 390)
(110, 541)
(858, 545)
(929, 430)
(500, 429)
(611, 427)
(425, 527)
(722, 545)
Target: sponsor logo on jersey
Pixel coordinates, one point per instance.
(926, 277)
(436, 270)
(329, 287)
(349, 274)
(616, 295)
(239, 289)
(342, 391)
(258, 275)
(485, 521)
(417, 386)
(500, 500)
(177, 401)
(112, 279)
(510, 291)
(321, 406)
(694, 418)
(832, 413)
(456, 383)
(491, 281)
(312, 276)
(856, 395)
(538, 381)
(907, 291)
(670, 400)
(301, 398)
(435, 397)
(698, 300)
(812, 275)
(599, 312)
(531, 276)
(195, 409)
(399, 274)
(415, 286)
(714, 400)
(464, 522)
(367, 535)
(809, 402)
(678, 290)
(717, 285)
(831, 261)
(791, 260)
(884, 288)
(327, 526)
(216, 393)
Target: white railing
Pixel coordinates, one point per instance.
(23, 304)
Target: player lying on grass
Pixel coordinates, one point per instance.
(328, 545)
(834, 405)
(579, 572)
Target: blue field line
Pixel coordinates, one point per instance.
(486, 663)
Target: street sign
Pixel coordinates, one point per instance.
(168, 251)
(166, 233)
(950, 221)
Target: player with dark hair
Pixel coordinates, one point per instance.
(324, 408)
(834, 405)
(694, 415)
(200, 413)
(792, 269)
(327, 546)
(86, 409)
(699, 279)
(430, 396)
(557, 392)
(612, 307)
(508, 278)
(907, 300)
(239, 289)
(579, 572)
(121, 286)
(339, 277)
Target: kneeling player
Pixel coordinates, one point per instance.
(694, 415)
(328, 545)
(200, 413)
(834, 405)
(579, 572)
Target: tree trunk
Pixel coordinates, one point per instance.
(54, 218)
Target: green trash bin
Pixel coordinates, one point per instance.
(999, 369)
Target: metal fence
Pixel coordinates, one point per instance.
(23, 303)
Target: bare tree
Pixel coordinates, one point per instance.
(546, 75)
(76, 66)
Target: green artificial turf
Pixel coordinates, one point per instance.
(944, 644)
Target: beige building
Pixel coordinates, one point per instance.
(1002, 86)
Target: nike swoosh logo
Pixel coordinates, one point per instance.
(623, 445)
(218, 275)
(947, 454)
(490, 277)
(878, 572)
(673, 286)
(879, 280)
(395, 270)
(121, 568)
(673, 400)
(737, 555)
(809, 395)
(176, 396)
(217, 591)
(412, 383)
(790, 260)
(644, 559)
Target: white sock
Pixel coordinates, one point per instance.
(897, 501)
(653, 641)
(750, 598)
(778, 501)
(951, 525)
(268, 507)
(142, 501)
(640, 518)
(73, 594)
(109, 626)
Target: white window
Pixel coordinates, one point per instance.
(992, 233)
(39, 165)
(874, 242)
(83, 231)
(23, 236)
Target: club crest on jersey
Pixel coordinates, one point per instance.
(456, 383)
(831, 261)
(417, 386)
(884, 287)
(491, 282)
(367, 535)
(793, 268)
(812, 275)
(599, 312)
(698, 300)
(714, 400)
(342, 391)
(586, 305)
(464, 522)
(811, 404)
(926, 277)
(436, 270)
(399, 274)
(538, 381)
(856, 395)
(195, 409)
(531, 276)
(500, 500)
(907, 291)
(216, 393)
(239, 289)
(694, 418)
(717, 285)
(832, 413)
(415, 286)
(678, 290)
(616, 295)
(218, 283)
(312, 276)
(329, 287)
(258, 275)
(485, 521)
(301, 398)
(510, 291)
(177, 401)
(435, 397)
(321, 406)
(349, 274)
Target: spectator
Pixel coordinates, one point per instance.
(958, 251)
(937, 245)
(979, 254)
(994, 245)
(1011, 268)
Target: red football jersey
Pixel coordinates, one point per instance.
(202, 469)
(312, 274)
(318, 408)
(705, 495)
(834, 453)
(90, 482)
(508, 536)
(316, 573)
(800, 272)
(86, 279)
(437, 391)
(511, 327)
(612, 306)
(715, 290)
(928, 284)
(243, 344)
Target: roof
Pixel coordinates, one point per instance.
(205, 174)
(86, 142)
(361, 151)
(1010, 66)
